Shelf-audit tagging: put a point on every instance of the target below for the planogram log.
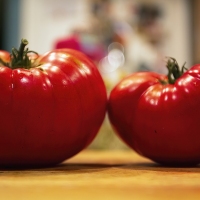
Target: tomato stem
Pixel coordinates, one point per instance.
(19, 58)
(174, 71)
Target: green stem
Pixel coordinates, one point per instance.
(23, 44)
(174, 71)
(19, 58)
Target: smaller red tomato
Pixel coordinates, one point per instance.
(158, 116)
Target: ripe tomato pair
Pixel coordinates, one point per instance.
(52, 106)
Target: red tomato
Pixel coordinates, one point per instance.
(4, 56)
(51, 110)
(159, 117)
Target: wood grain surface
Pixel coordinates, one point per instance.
(101, 175)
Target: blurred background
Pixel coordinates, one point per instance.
(120, 36)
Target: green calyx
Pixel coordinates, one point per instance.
(19, 57)
(174, 71)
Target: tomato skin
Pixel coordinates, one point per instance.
(5, 56)
(50, 112)
(159, 121)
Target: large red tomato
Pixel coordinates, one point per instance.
(51, 107)
(159, 116)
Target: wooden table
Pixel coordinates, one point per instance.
(102, 175)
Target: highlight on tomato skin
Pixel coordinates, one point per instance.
(158, 115)
(51, 106)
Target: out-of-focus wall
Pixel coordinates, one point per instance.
(42, 21)
(9, 23)
(179, 33)
(196, 31)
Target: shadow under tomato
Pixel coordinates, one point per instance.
(78, 168)
(63, 168)
(152, 166)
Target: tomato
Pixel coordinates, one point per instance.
(158, 116)
(4, 56)
(51, 106)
